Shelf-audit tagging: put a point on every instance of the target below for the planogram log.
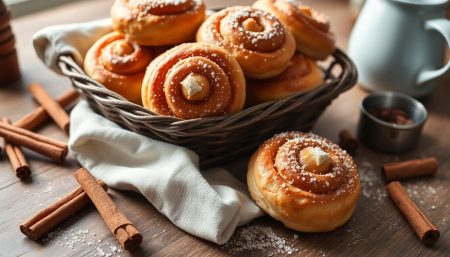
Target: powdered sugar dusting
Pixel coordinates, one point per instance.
(232, 32)
(339, 177)
(258, 237)
(140, 9)
(421, 191)
(372, 185)
(47, 195)
(319, 17)
(234, 18)
(77, 239)
(295, 3)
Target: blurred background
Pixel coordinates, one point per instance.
(23, 7)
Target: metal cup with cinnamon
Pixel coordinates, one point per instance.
(391, 137)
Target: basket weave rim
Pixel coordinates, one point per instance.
(216, 139)
(69, 67)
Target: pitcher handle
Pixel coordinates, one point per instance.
(442, 26)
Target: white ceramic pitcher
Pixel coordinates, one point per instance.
(399, 45)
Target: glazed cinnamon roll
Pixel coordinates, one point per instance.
(158, 22)
(194, 80)
(310, 28)
(302, 75)
(119, 65)
(305, 181)
(257, 39)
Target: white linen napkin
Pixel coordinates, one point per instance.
(73, 39)
(209, 204)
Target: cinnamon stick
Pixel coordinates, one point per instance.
(409, 169)
(16, 158)
(39, 115)
(55, 111)
(348, 141)
(46, 146)
(42, 222)
(125, 232)
(424, 229)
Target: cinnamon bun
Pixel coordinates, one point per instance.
(305, 181)
(310, 28)
(158, 22)
(194, 80)
(257, 39)
(302, 75)
(119, 65)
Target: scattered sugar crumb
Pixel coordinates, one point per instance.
(372, 185)
(258, 237)
(77, 239)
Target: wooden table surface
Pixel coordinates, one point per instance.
(376, 228)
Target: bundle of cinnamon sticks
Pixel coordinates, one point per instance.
(19, 134)
(90, 190)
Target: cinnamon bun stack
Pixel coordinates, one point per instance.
(262, 53)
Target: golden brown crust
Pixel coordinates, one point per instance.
(302, 75)
(258, 41)
(303, 200)
(311, 29)
(158, 22)
(119, 65)
(194, 80)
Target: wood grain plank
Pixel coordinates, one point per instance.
(376, 229)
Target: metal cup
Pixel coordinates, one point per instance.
(390, 137)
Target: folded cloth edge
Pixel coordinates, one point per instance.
(69, 39)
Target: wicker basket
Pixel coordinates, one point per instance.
(218, 139)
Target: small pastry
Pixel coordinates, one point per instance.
(302, 75)
(194, 80)
(310, 28)
(119, 65)
(305, 181)
(257, 39)
(158, 22)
